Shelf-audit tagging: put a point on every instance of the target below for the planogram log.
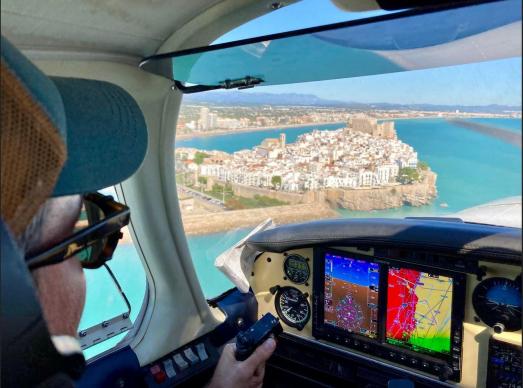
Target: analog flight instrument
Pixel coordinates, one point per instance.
(497, 302)
(296, 269)
(292, 307)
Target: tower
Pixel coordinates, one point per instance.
(204, 118)
(282, 140)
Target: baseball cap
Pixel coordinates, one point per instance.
(61, 136)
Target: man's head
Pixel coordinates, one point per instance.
(60, 139)
(60, 287)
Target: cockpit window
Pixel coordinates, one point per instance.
(403, 41)
(437, 133)
(104, 301)
(295, 16)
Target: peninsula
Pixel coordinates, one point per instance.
(363, 166)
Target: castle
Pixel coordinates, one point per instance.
(365, 124)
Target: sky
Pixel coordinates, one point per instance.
(495, 82)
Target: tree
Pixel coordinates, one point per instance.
(202, 180)
(200, 156)
(423, 165)
(276, 181)
(408, 175)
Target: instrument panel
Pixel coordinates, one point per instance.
(389, 310)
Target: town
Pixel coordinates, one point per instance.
(197, 120)
(364, 154)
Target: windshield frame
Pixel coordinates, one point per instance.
(161, 64)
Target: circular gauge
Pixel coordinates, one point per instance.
(292, 307)
(296, 269)
(497, 302)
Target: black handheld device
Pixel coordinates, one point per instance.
(247, 341)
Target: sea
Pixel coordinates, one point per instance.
(472, 169)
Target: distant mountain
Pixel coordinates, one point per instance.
(493, 108)
(238, 98)
(296, 99)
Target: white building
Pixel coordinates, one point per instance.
(204, 118)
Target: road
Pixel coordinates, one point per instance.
(202, 196)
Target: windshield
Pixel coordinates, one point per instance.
(385, 44)
(428, 142)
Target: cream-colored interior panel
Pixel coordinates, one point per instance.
(268, 272)
(176, 311)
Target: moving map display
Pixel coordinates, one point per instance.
(351, 294)
(419, 307)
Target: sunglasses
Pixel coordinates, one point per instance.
(93, 245)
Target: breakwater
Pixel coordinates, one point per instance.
(234, 219)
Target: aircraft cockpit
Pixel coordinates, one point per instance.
(341, 175)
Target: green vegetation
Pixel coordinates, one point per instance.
(258, 201)
(220, 192)
(407, 175)
(200, 156)
(235, 202)
(276, 181)
(202, 180)
(185, 179)
(423, 166)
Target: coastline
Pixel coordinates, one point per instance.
(223, 132)
(319, 205)
(202, 224)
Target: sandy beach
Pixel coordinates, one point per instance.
(220, 132)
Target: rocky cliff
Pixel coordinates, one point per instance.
(365, 199)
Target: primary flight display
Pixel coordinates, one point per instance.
(351, 294)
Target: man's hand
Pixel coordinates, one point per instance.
(242, 374)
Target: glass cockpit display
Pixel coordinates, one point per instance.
(419, 307)
(351, 294)
(407, 314)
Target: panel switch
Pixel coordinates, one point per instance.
(169, 368)
(179, 360)
(189, 354)
(200, 349)
(158, 374)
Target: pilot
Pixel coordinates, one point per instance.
(60, 139)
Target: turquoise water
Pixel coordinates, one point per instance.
(103, 300)
(512, 125)
(246, 140)
(472, 169)
(204, 250)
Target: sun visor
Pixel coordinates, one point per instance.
(410, 40)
